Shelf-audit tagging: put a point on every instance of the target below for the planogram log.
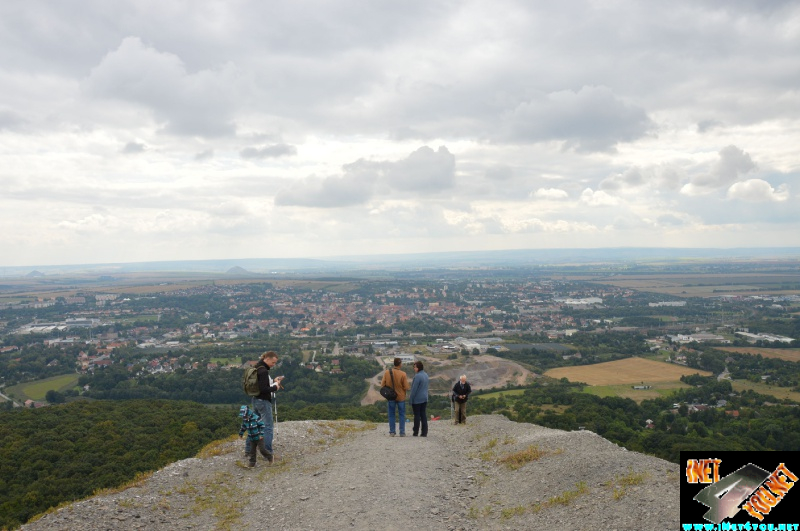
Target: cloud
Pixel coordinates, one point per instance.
(207, 154)
(195, 104)
(656, 178)
(758, 191)
(591, 119)
(549, 193)
(423, 170)
(598, 198)
(134, 147)
(266, 152)
(330, 192)
(9, 120)
(499, 173)
(733, 162)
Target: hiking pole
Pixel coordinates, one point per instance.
(275, 412)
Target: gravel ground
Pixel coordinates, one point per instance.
(352, 475)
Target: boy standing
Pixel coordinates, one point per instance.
(253, 425)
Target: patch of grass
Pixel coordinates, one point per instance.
(221, 495)
(519, 459)
(476, 513)
(215, 448)
(621, 482)
(565, 498)
(511, 512)
(138, 480)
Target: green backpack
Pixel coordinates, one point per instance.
(250, 381)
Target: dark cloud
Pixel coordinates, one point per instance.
(732, 164)
(266, 152)
(330, 192)
(591, 119)
(134, 147)
(424, 171)
(195, 104)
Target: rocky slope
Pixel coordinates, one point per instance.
(488, 474)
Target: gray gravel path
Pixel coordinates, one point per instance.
(352, 475)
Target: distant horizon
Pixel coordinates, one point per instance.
(498, 257)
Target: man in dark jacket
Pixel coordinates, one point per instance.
(262, 403)
(461, 391)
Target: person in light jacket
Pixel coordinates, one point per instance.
(419, 399)
(461, 391)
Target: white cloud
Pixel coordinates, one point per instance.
(733, 162)
(758, 190)
(549, 193)
(598, 198)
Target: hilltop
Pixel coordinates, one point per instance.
(490, 474)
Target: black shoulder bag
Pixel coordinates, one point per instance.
(388, 392)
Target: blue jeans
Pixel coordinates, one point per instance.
(401, 410)
(263, 408)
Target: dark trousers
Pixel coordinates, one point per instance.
(260, 447)
(420, 417)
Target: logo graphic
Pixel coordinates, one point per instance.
(749, 489)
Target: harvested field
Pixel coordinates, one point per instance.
(788, 354)
(630, 371)
(708, 285)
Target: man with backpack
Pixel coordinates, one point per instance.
(262, 402)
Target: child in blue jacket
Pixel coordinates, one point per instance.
(254, 426)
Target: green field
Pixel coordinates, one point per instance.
(498, 394)
(656, 390)
(38, 389)
(226, 361)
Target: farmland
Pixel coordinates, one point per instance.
(632, 371)
(788, 354)
(617, 378)
(37, 390)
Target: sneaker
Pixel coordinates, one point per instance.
(402, 435)
(392, 435)
(251, 464)
(270, 458)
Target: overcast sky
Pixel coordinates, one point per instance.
(176, 130)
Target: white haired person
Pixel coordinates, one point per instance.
(461, 391)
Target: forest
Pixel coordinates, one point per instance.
(67, 452)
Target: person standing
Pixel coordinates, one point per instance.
(419, 399)
(395, 378)
(262, 403)
(461, 391)
(254, 427)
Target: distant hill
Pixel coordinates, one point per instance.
(470, 259)
(239, 271)
(35, 273)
